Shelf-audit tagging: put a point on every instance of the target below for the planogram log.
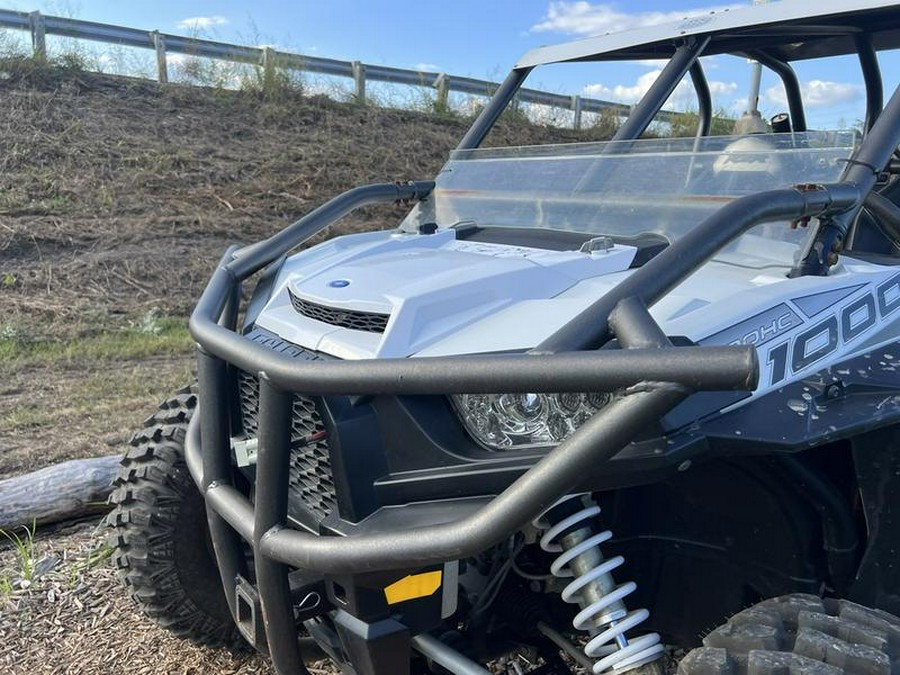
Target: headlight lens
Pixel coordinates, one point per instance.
(519, 421)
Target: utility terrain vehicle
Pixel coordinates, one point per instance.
(400, 445)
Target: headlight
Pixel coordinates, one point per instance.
(514, 421)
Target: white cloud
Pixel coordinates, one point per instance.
(719, 88)
(621, 92)
(819, 93)
(427, 67)
(584, 18)
(201, 22)
(683, 96)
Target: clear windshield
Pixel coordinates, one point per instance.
(629, 188)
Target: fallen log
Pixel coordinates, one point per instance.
(64, 491)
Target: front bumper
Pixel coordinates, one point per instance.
(654, 375)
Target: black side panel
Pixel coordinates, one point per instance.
(550, 240)
(711, 540)
(261, 293)
(877, 458)
(648, 243)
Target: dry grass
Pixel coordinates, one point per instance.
(74, 618)
(117, 197)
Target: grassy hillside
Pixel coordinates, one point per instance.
(117, 196)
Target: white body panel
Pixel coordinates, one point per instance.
(448, 297)
(721, 21)
(432, 286)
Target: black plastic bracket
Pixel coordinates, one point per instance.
(823, 252)
(379, 647)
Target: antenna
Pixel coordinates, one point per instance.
(751, 121)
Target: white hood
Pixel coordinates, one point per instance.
(431, 287)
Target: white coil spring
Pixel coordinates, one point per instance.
(618, 653)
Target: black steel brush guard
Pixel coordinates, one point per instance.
(655, 376)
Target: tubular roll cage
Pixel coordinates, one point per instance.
(654, 375)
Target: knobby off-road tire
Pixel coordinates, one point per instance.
(800, 635)
(160, 536)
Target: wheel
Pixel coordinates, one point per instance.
(800, 635)
(160, 537)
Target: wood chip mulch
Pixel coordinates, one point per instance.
(76, 618)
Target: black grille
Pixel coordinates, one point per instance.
(311, 481)
(371, 322)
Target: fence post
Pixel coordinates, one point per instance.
(576, 108)
(38, 36)
(268, 66)
(162, 69)
(359, 80)
(442, 84)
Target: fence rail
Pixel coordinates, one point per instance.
(41, 25)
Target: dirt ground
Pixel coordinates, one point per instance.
(117, 197)
(75, 620)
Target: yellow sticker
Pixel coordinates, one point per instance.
(413, 586)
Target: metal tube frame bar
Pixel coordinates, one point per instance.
(704, 99)
(272, 469)
(871, 72)
(558, 472)
(590, 329)
(697, 367)
(265, 523)
(215, 461)
(492, 111)
(654, 379)
(863, 171)
(652, 102)
(437, 651)
(791, 87)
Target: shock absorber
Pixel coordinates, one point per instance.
(603, 613)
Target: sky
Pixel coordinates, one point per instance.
(481, 39)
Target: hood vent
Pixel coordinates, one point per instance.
(371, 322)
